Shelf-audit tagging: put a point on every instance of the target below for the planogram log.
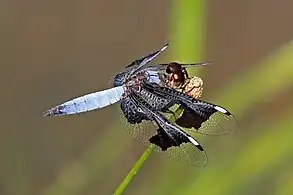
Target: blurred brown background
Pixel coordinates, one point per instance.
(51, 51)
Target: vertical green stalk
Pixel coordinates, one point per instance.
(134, 170)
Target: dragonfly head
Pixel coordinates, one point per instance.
(176, 73)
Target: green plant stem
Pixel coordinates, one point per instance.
(134, 170)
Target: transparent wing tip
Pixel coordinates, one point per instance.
(201, 160)
(188, 155)
(205, 160)
(197, 64)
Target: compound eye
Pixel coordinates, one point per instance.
(173, 67)
(169, 69)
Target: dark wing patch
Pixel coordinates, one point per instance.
(190, 119)
(178, 145)
(163, 136)
(129, 109)
(164, 141)
(204, 117)
(136, 123)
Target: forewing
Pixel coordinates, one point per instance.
(87, 102)
(133, 67)
(138, 64)
(204, 117)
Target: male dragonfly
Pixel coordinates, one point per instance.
(146, 94)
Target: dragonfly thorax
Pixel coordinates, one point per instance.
(135, 81)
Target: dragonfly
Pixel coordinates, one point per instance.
(147, 94)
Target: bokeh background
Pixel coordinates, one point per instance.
(51, 51)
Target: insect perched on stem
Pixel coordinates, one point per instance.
(146, 94)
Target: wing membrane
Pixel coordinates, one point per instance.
(166, 137)
(208, 122)
(162, 67)
(138, 64)
(87, 102)
(133, 67)
(204, 117)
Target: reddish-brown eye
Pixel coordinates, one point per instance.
(176, 71)
(173, 67)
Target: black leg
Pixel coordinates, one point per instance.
(185, 73)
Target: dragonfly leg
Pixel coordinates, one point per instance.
(185, 73)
